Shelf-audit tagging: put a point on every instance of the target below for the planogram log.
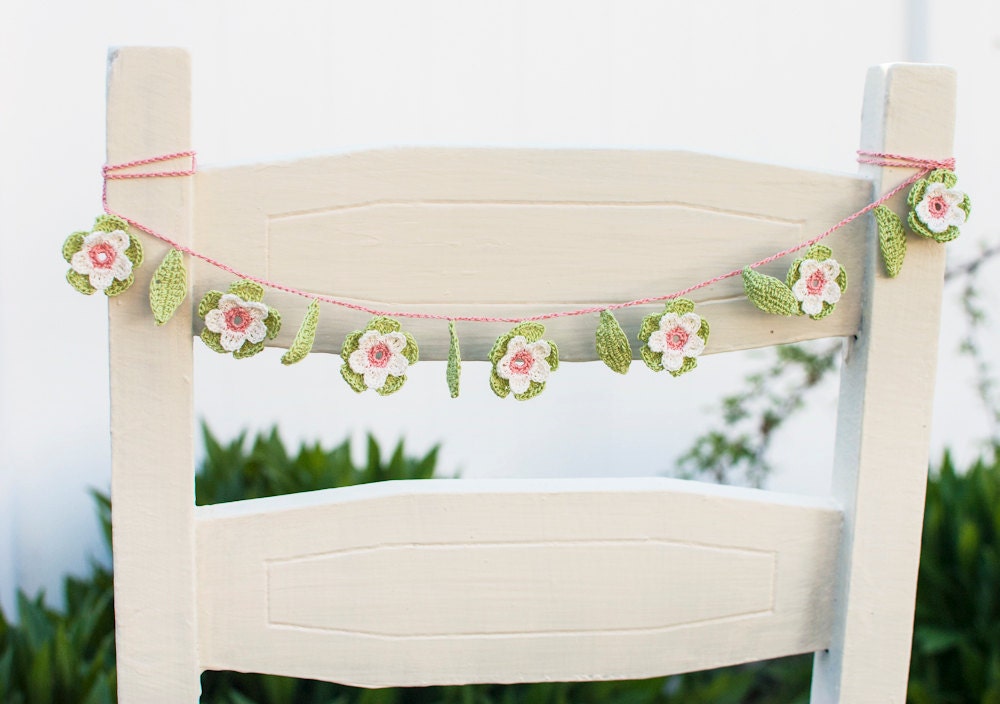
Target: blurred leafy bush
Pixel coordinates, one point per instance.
(956, 637)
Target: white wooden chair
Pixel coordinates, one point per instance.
(454, 581)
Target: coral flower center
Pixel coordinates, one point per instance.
(102, 256)
(379, 355)
(677, 338)
(816, 283)
(522, 362)
(937, 207)
(237, 319)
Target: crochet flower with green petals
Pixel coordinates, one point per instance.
(104, 258)
(237, 321)
(936, 207)
(674, 338)
(522, 362)
(378, 357)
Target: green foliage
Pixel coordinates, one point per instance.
(776, 682)
(956, 639)
(231, 472)
(737, 453)
(51, 657)
(68, 657)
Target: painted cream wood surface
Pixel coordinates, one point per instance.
(152, 453)
(457, 581)
(448, 581)
(516, 233)
(883, 428)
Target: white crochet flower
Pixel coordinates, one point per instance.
(938, 209)
(102, 258)
(817, 284)
(379, 355)
(524, 363)
(236, 321)
(677, 338)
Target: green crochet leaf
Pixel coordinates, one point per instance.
(305, 337)
(454, 371)
(500, 348)
(793, 273)
(687, 365)
(842, 280)
(704, 330)
(411, 351)
(350, 344)
(354, 380)
(649, 325)
(212, 340)
(80, 282)
(383, 325)
(653, 360)
(72, 245)
(534, 388)
(532, 331)
(248, 349)
(916, 193)
(680, 306)
(966, 205)
(553, 358)
(168, 287)
(945, 176)
(827, 309)
(392, 385)
(891, 239)
(248, 290)
(119, 286)
(273, 323)
(612, 343)
(110, 223)
(134, 251)
(501, 387)
(819, 252)
(769, 294)
(209, 301)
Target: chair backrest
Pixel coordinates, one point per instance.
(454, 581)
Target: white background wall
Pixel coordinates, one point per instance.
(775, 81)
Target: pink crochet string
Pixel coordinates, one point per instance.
(115, 172)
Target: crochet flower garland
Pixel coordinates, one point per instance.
(237, 322)
(674, 338)
(377, 357)
(937, 209)
(812, 286)
(102, 259)
(522, 362)
(817, 282)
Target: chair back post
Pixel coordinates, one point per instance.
(887, 389)
(152, 484)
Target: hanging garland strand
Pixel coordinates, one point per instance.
(114, 172)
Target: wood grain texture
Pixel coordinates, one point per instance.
(883, 429)
(447, 582)
(514, 233)
(151, 404)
